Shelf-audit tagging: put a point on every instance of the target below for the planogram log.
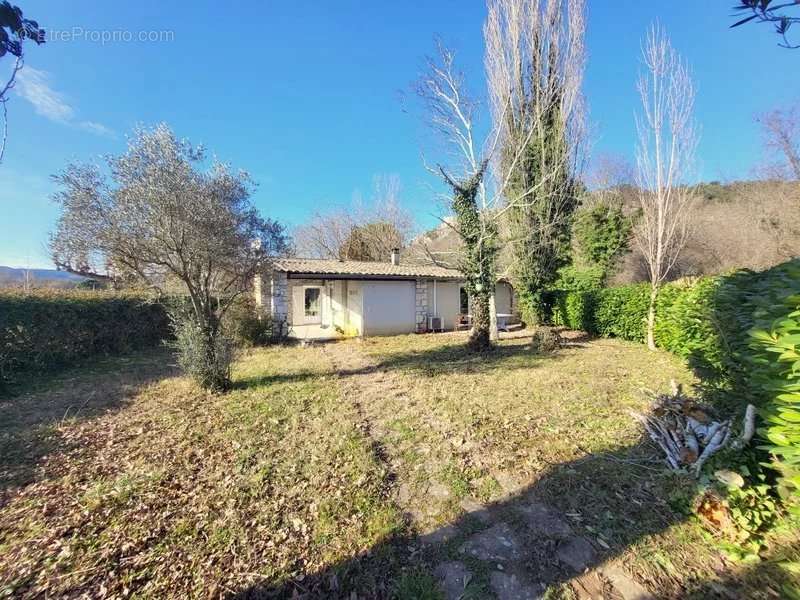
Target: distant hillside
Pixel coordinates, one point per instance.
(38, 278)
(748, 224)
(751, 224)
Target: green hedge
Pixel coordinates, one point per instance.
(47, 329)
(740, 332)
(609, 312)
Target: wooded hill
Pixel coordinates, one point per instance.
(748, 224)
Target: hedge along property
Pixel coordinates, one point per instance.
(325, 299)
(47, 329)
(740, 332)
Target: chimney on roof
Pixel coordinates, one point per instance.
(395, 256)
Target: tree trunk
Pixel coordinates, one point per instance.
(651, 318)
(479, 339)
(493, 333)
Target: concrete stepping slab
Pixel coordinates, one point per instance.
(507, 586)
(441, 535)
(499, 543)
(625, 585)
(477, 510)
(544, 521)
(453, 578)
(576, 552)
(439, 491)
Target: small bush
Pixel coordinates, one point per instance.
(244, 326)
(48, 329)
(545, 340)
(205, 357)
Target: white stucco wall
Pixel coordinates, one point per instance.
(390, 307)
(445, 303)
(348, 306)
(444, 300)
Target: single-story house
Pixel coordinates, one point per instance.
(323, 299)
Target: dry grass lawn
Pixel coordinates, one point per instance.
(343, 470)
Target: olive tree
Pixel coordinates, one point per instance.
(160, 216)
(782, 15)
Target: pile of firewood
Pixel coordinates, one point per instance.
(690, 432)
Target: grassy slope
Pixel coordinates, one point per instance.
(323, 454)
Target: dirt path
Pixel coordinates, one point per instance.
(509, 550)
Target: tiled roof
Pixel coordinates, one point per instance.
(364, 269)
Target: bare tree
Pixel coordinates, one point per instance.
(162, 218)
(607, 179)
(535, 59)
(360, 232)
(781, 132)
(665, 159)
(483, 206)
(324, 234)
(450, 112)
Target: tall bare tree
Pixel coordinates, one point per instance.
(482, 206)
(608, 177)
(451, 114)
(535, 59)
(665, 159)
(781, 132)
(359, 232)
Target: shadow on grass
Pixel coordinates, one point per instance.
(453, 358)
(577, 517)
(457, 358)
(28, 419)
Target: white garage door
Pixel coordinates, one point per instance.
(389, 307)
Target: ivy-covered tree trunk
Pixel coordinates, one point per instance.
(480, 338)
(478, 233)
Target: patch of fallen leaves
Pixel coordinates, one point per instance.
(187, 494)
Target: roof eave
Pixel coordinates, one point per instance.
(363, 276)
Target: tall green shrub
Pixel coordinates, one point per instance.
(574, 310)
(622, 311)
(600, 234)
(688, 324)
(774, 366)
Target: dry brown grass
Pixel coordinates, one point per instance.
(321, 467)
(182, 494)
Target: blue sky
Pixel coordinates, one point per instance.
(306, 95)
